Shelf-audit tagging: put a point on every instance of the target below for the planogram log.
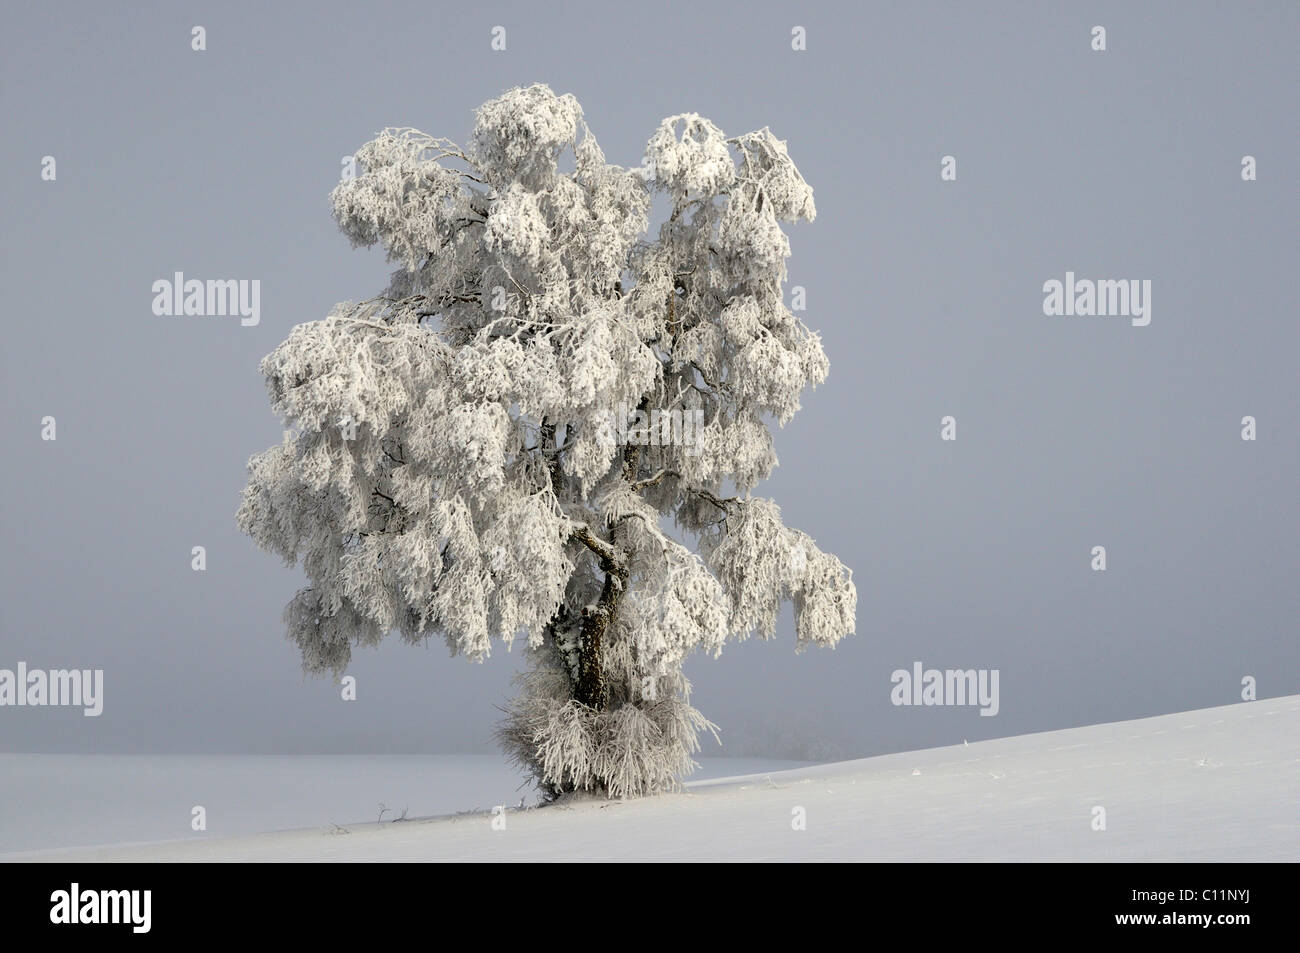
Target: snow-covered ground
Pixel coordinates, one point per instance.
(1217, 784)
(49, 801)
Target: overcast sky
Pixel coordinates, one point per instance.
(1072, 432)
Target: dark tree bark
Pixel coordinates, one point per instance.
(591, 688)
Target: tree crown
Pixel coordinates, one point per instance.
(456, 465)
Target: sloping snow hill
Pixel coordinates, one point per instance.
(1217, 784)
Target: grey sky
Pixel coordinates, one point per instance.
(1072, 432)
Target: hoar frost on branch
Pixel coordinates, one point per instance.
(449, 469)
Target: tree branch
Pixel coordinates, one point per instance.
(650, 481)
(609, 559)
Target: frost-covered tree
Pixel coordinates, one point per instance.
(461, 460)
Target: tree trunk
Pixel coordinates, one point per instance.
(591, 688)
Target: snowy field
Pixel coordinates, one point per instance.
(1217, 784)
(49, 801)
